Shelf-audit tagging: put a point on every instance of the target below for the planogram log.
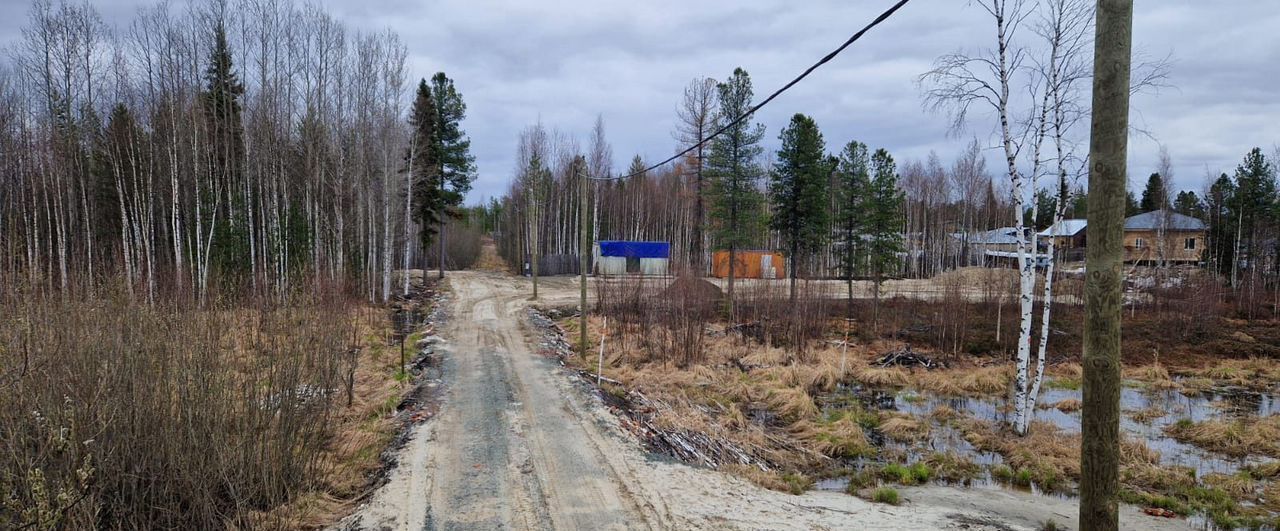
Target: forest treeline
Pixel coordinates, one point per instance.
(813, 199)
(241, 145)
(192, 206)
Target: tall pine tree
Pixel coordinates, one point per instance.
(884, 219)
(1154, 196)
(1131, 205)
(422, 164)
(734, 173)
(798, 191)
(1189, 204)
(451, 154)
(1220, 239)
(231, 253)
(1254, 206)
(852, 190)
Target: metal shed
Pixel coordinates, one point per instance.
(619, 257)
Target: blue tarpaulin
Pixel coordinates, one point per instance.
(635, 249)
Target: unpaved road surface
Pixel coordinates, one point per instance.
(517, 446)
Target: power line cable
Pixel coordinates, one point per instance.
(883, 16)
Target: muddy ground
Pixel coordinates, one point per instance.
(518, 445)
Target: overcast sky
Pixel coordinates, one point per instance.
(566, 61)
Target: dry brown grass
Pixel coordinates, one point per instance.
(1043, 448)
(838, 437)
(943, 414)
(793, 483)
(819, 378)
(1253, 373)
(791, 404)
(979, 381)
(1194, 385)
(1154, 376)
(1147, 415)
(950, 466)
(904, 428)
(1149, 372)
(1239, 486)
(1136, 452)
(1236, 438)
(1271, 496)
(882, 376)
(1156, 478)
(765, 356)
(1050, 457)
(1067, 405)
(1066, 370)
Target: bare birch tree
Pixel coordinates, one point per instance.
(957, 83)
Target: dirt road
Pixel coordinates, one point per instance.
(517, 446)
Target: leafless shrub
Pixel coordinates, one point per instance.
(1189, 305)
(126, 412)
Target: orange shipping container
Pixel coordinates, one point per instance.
(750, 264)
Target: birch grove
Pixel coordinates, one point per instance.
(113, 161)
(987, 80)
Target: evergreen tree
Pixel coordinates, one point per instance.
(734, 173)
(451, 152)
(114, 169)
(635, 187)
(1219, 240)
(853, 187)
(536, 179)
(636, 169)
(1189, 204)
(223, 91)
(1254, 203)
(798, 191)
(421, 161)
(1046, 205)
(221, 102)
(1131, 205)
(1154, 196)
(1079, 204)
(884, 220)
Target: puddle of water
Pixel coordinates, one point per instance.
(1163, 407)
(1145, 413)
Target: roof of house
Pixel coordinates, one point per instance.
(1066, 227)
(1163, 220)
(1002, 235)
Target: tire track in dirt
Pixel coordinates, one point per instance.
(507, 450)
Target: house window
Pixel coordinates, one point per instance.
(1139, 243)
(1189, 244)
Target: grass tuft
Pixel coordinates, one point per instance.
(904, 429)
(887, 495)
(882, 377)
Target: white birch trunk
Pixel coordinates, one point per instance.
(408, 215)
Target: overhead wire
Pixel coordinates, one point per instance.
(825, 59)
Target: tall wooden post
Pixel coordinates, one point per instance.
(583, 243)
(1108, 146)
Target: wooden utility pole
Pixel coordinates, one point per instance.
(1108, 146)
(583, 243)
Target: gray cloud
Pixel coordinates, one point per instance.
(563, 62)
